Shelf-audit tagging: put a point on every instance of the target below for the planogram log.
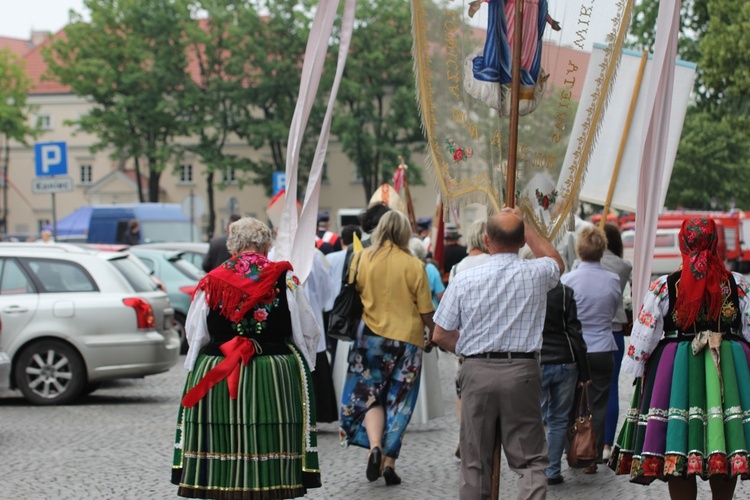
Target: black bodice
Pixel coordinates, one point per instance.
(730, 318)
(272, 335)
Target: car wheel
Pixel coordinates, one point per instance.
(50, 372)
(179, 326)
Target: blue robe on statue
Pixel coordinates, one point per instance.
(495, 63)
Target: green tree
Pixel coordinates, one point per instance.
(725, 59)
(129, 60)
(378, 120)
(217, 99)
(278, 54)
(14, 114)
(693, 19)
(712, 156)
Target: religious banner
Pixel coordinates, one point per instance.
(462, 59)
(625, 190)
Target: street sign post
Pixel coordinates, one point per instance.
(50, 160)
(52, 185)
(279, 182)
(193, 207)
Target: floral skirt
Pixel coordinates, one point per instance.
(262, 445)
(382, 372)
(688, 418)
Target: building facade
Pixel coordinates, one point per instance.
(100, 179)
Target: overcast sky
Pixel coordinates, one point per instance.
(19, 17)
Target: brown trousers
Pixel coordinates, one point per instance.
(501, 399)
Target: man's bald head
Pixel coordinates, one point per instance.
(505, 231)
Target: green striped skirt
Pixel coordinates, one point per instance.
(688, 418)
(262, 445)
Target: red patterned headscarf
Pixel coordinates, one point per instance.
(702, 271)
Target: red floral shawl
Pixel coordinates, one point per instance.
(240, 283)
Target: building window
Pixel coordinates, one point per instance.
(186, 173)
(230, 176)
(84, 174)
(44, 122)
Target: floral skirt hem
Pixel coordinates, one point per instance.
(688, 416)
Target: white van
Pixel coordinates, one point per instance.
(667, 257)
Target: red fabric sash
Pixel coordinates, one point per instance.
(236, 351)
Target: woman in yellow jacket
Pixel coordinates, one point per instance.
(382, 382)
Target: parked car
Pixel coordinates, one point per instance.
(4, 366)
(179, 276)
(193, 252)
(74, 317)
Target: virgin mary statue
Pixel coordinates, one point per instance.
(488, 74)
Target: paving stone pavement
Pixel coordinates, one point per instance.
(117, 442)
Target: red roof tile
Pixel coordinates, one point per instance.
(20, 47)
(36, 67)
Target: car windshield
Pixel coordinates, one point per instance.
(186, 267)
(168, 231)
(135, 274)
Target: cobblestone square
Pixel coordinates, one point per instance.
(117, 444)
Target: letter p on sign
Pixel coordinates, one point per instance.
(51, 158)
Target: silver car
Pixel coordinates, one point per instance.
(72, 318)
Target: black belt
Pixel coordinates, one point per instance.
(505, 355)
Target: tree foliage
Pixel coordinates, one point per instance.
(217, 100)
(694, 23)
(278, 46)
(713, 155)
(15, 120)
(129, 59)
(725, 56)
(377, 120)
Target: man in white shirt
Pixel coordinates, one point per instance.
(493, 315)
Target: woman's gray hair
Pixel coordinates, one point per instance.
(248, 234)
(416, 246)
(476, 235)
(394, 227)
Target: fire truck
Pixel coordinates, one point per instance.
(733, 245)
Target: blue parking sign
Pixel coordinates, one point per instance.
(51, 158)
(279, 182)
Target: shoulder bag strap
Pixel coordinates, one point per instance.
(565, 326)
(356, 269)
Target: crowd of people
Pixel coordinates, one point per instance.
(530, 332)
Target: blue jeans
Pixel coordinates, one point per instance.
(558, 389)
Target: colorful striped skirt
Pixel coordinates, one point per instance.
(262, 445)
(688, 418)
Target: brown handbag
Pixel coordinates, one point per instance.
(582, 449)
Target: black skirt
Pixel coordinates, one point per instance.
(325, 395)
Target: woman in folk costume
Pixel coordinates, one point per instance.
(246, 425)
(689, 345)
(385, 360)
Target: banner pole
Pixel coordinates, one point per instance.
(624, 138)
(510, 190)
(515, 90)
(407, 194)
